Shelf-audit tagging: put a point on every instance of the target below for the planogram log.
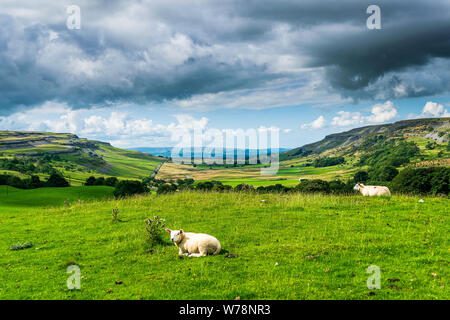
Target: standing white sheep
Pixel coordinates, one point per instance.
(370, 191)
(194, 244)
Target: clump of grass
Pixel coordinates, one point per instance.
(115, 214)
(154, 228)
(21, 246)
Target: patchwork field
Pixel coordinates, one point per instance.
(288, 173)
(288, 247)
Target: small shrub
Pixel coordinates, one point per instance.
(21, 246)
(205, 186)
(115, 214)
(313, 186)
(155, 229)
(339, 187)
(277, 188)
(244, 187)
(166, 188)
(431, 145)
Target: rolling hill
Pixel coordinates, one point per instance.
(24, 153)
(360, 140)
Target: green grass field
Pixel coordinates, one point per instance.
(289, 247)
(260, 182)
(12, 199)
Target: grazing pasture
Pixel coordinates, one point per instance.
(13, 199)
(275, 247)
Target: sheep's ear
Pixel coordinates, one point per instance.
(168, 230)
(181, 231)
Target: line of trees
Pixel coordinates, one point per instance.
(433, 181)
(101, 181)
(328, 161)
(33, 182)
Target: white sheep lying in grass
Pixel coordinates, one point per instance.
(194, 244)
(370, 191)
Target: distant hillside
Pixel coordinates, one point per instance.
(155, 151)
(167, 152)
(26, 153)
(360, 139)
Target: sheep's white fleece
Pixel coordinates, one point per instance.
(370, 191)
(196, 244)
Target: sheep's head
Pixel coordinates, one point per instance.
(176, 235)
(358, 186)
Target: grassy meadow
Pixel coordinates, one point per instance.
(288, 247)
(13, 199)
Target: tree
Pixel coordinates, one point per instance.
(56, 180)
(166, 188)
(205, 186)
(423, 180)
(311, 186)
(383, 173)
(127, 188)
(99, 181)
(337, 186)
(34, 182)
(15, 182)
(111, 181)
(90, 181)
(328, 161)
(361, 176)
(277, 188)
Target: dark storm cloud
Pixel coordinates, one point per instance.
(413, 33)
(153, 51)
(357, 60)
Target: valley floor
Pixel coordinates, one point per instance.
(288, 247)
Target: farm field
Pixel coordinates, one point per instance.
(249, 174)
(288, 247)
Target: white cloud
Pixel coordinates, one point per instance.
(102, 124)
(187, 122)
(347, 118)
(434, 109)
(319, 123)
(382, 112)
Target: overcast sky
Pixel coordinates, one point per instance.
(137, 70)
